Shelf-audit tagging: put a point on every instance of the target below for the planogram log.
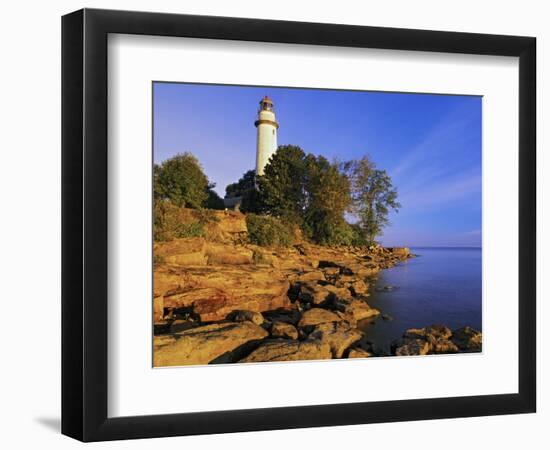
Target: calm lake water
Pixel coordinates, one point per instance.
(440, 286)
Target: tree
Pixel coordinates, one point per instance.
(246, 188)
(181, 180)
(373, 196)
(309, 191)
(328, 199)
(282, 187)
(213, 201)
(241, 187)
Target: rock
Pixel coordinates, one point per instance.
(361, 270)
(411, 347)
(286, 315)
(359, 353)
(444, 346)
(220, 254)
(180, 325)
(386, 288)
(288, 350)
(338, 335)
(158, 309)
(438, 339)
(358, 288)
(167, 281)
(387, 317)
(415, 333)
(185, 252)
(214, 343)
(284, 330)
(315, 275)
(226, 226)
(214, 292)
(316, 316)
(400, 252)
(331, 271)
(162, 340)
(245, 315)
(314, 293)
(358, 309)
(339, 293)
(467, 339)
(437, 332)
(187, 299)
(161, 327)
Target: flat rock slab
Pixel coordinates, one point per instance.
(208, 344)
(213, 292)
(289, 350)
(316, 316)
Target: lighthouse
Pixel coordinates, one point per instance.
(267, 126)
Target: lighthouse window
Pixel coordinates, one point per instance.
(273, 131)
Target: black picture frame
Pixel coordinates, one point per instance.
(84, 224)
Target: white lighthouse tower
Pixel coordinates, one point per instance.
(267, 134)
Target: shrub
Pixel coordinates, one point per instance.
(268, 231)
(169, 222)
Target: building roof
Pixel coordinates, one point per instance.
(266, 99)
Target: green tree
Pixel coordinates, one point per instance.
(282, 187)
(373, 195)
(246, 188)
(309, 191)
(241, 187)
(181, 180)
(213, 201)
(328, 199)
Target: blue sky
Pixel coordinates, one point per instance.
(429, 144)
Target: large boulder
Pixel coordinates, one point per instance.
(338, 335)
(316, 316)
(289, 350)
(208, 344)
(412, 347)
(284, 330)
(359, 288)
(286, 315)
(314, 293)
(358, 309)
(314, 275)
(467, 339)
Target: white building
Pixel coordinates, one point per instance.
(266, 143)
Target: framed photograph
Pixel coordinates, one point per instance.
(273, 225)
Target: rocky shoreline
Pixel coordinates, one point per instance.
(218, 299)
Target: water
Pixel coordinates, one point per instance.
(440, 286)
